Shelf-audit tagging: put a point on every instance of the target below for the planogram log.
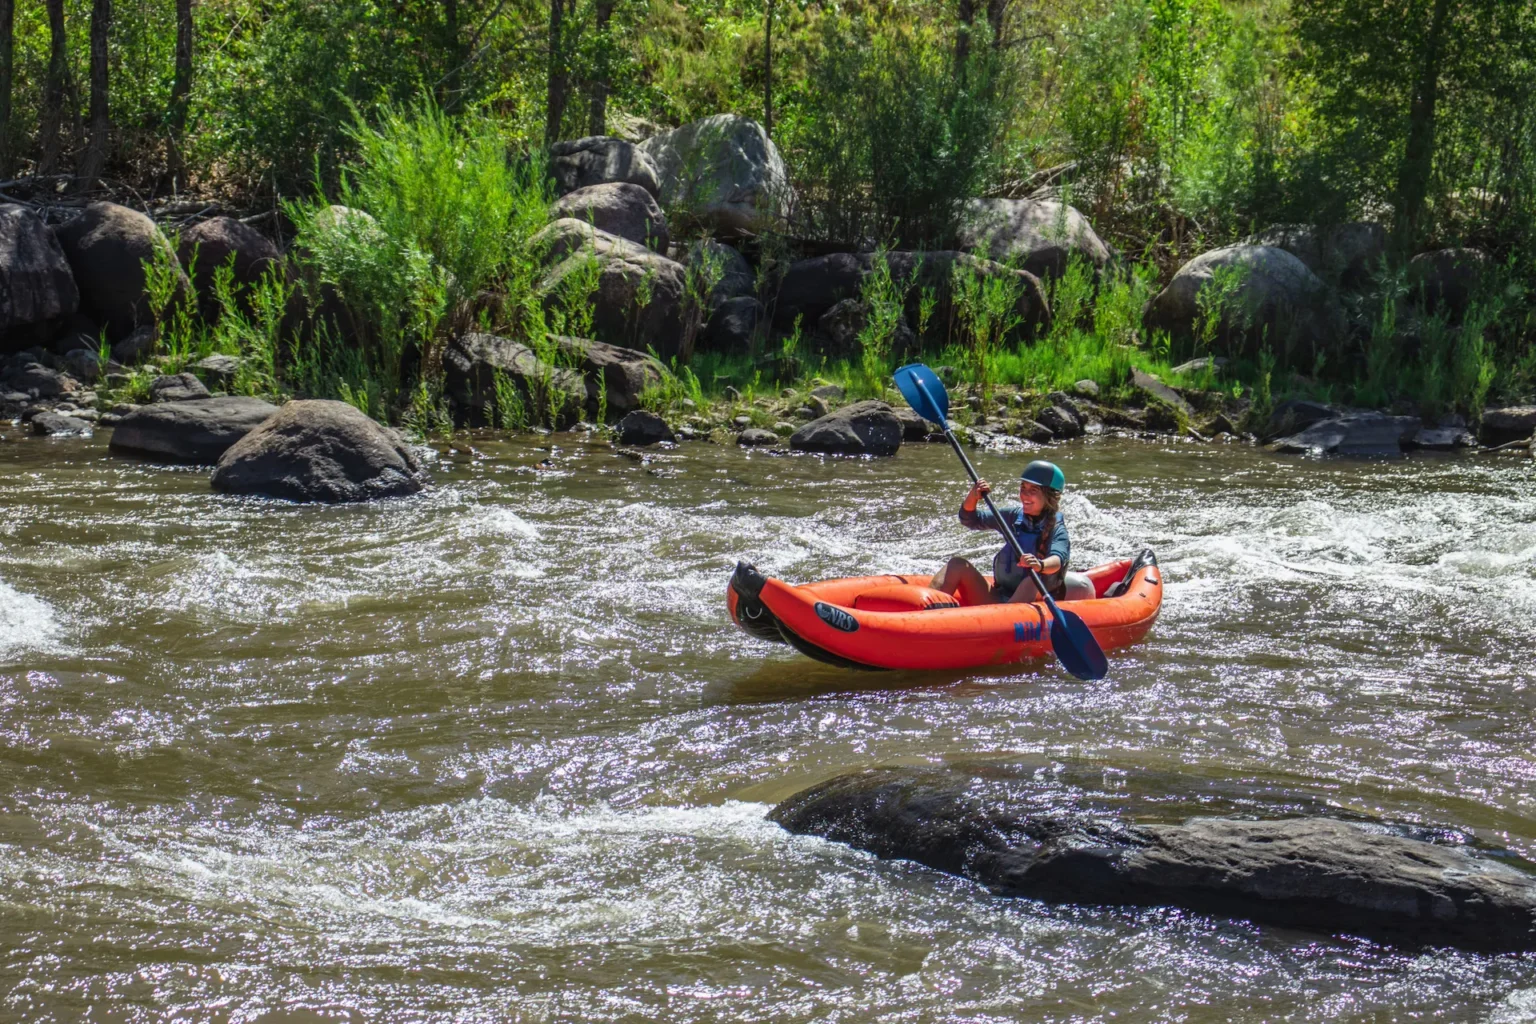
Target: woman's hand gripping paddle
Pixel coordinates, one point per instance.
(1075, 646)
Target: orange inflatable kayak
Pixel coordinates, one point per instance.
(899, 622)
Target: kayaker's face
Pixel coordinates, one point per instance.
(1031, 497)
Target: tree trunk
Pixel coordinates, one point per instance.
(997, 10)
(7, 55)
(963, 37)
(456, 55)
(54, 87)
(603, 72)
(181, 94)
(558, 75)
(96, 150)
(1419, 153)
(768, 71)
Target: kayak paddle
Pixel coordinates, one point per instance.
(1075, 646)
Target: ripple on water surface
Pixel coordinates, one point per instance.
(498, 753)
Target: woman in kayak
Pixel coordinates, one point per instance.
(1042, 533)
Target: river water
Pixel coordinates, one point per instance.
(497, 752)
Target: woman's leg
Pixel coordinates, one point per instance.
(1079, 588)
(1026, 592)
(960, 579)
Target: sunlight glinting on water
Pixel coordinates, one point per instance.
(498, 752)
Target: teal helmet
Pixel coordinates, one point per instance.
(1046, 474)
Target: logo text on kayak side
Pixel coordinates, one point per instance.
(836, 617)
(1025, 634)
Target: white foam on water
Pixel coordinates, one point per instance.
(27, 624)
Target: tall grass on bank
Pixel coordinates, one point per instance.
(435, 213)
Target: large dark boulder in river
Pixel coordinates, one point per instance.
(863, 428)
(1265, 295)
(37, 289)
(722, 173)
(1038, 235)
(1058, 833)
(319, 450)
(107, 246)
(198, 431)
(621, 209)
(598, 160)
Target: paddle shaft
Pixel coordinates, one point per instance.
(1013, 542)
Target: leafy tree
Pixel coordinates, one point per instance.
(1396, 81)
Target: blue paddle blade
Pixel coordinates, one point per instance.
(924, 392)
(1076, 648)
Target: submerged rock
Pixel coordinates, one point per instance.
(197, 431)
(1059, 833)
(863, 428)
(317, 450)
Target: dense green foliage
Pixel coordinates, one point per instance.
(1175, 125)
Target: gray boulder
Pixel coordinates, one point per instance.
(53, 424)
(1342, 254)
(840, 326)
(107, 246)
(1040, 235)
(913, 426)
(39, 290)
(319, 450)
(1273, 299)
(644, 427)
(734, 325)
(722, 173)
(1297, 414)
(863, 428)
(1365, 433)
(218, 370)
(707, 259)
(1156, 391)
(1444, 439)
(1512, 423)
(756, 437)
(599, 160)
(135, 346)
(85, 365)
(1447, 279)
(1055, 832)
(619, 208)
(180, 387)
(625, 274)
(223, 241)
(197, 431)
(474, 364)
(622, 374)
(811, 287)
(39, 381)
(1060, 421)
